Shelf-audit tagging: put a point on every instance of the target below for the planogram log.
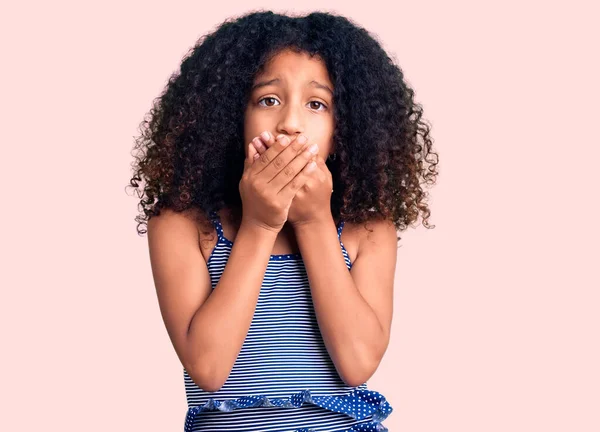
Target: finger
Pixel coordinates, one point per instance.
(247, 162)
(267, 138)
(260, 148)
(264, 159)
(287, 173)
(290, 190)
(258, 144)
(323, 165)
(255, 154)
(277, 159)
(252, 153)
(314, 159)
(320, 161)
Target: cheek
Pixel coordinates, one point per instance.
(249, 128)
(326, 138)
(325, 145)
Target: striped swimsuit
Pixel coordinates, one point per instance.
(283, 379)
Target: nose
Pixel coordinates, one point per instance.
(290, 122)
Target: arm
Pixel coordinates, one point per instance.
(353, 308)
(207, 327)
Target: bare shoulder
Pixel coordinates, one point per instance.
(379, 233)
(191, 223)
(356, 235)
(169, 216)
(171, 233)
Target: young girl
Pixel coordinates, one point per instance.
(278, 323)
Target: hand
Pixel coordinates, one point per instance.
(312, 202)
(270, 182)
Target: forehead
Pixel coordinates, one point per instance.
(292, 65)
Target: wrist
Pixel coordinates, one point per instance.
(315, 224)
(255, 239)
(258, 228)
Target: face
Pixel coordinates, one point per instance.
(293, 95)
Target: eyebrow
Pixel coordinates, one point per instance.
(313, 83)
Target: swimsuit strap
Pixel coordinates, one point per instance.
(216, 220)
(340, 227)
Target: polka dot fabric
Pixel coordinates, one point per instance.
(359, 405)
(283, 379)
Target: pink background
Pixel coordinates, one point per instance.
(496, 321)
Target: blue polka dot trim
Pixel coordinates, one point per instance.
(280, 257)
(340, 228)
(359, 404)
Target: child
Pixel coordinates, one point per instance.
(278, 323)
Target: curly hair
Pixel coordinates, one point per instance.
(190, 153)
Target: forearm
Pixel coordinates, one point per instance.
(219, 327)
(351, 330)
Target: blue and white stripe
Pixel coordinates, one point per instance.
(283, 379)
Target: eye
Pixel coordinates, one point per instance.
(273, 99)
(265, 98)
(320, 103)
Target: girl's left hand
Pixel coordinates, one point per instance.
(312, 203)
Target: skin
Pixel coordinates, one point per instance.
(353, 308)
(299, 103)
(291, 106)
(364, 293)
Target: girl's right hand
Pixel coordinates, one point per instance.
(270, 182)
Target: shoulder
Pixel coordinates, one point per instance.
(191, 223)
(375, 234)
(169, 218)
(356, 236)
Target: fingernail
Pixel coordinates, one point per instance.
(285, 141)
(265, 136)
(302, 139)
(313, 148)
(259, 145)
